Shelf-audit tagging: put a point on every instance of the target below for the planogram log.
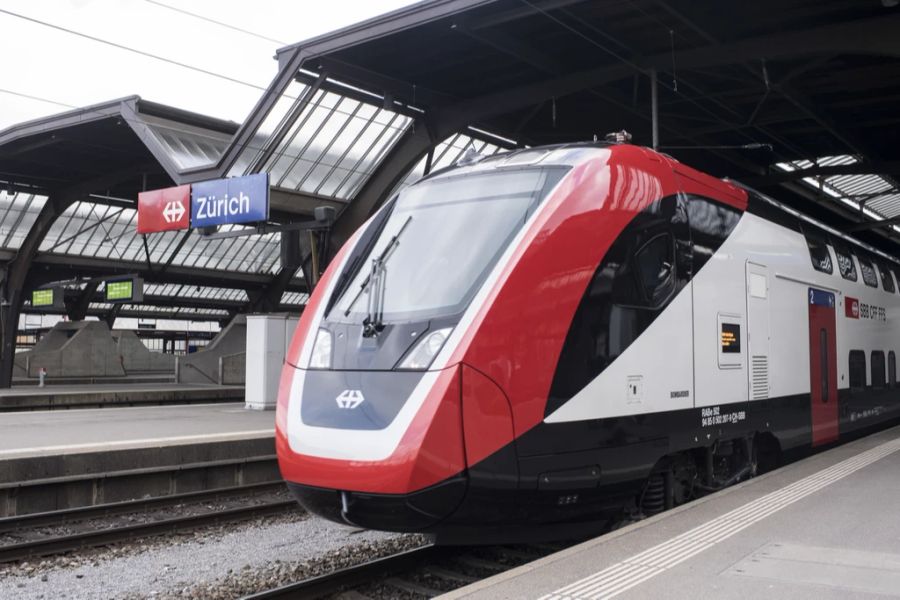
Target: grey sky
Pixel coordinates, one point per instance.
(42, 62)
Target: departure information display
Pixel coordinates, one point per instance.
(125, 290)
(42, 298)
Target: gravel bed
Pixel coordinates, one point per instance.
(142, 516)
(213, 563)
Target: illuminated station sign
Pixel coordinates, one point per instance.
(205, 204)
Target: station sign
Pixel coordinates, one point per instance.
(235, 200)
(164, 210)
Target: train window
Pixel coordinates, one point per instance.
(887, 282)
(614, 311)
(845, 263)
(710, 223)
(892, 369)
(877, 369)
(868, 271)
(655, 269)
(857, 369)
(819, 254)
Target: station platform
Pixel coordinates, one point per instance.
(61, 459)
(43, 433)
(826, 527)
(85, 395)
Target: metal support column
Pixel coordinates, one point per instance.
(14, 282)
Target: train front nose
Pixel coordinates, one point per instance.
(376, 449)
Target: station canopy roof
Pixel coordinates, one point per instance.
(110, 152)
(798, 98)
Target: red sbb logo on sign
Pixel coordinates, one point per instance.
(851, 308)
(164, 210)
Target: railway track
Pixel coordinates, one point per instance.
(29, 525)
(424, 572)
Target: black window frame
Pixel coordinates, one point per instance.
(866, 263)
(887, 280)
(841, 251)
(666, 286)
(817, 244)
(857, 369)
(878, 368)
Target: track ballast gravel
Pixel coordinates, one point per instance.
(214, 563)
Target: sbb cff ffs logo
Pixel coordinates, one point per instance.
(164, 210)
(851, 308)
(350, 399)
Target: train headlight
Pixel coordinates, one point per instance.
(425, 350)
(321, 352)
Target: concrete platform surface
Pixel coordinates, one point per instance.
(43, 433)
(30, 397)
(112, 388)
(827, 527)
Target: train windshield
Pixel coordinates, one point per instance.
(440, 241)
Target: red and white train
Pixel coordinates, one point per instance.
(521, 347)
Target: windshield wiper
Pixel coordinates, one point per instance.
(374, 284)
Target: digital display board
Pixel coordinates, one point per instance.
(42, 298)
(125, 290)
(731, 338)
(119, 290)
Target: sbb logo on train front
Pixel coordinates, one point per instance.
(350, 399)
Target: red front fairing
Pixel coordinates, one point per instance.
(430, 451)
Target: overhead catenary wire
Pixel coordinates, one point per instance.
(125, 48)
(215, 22)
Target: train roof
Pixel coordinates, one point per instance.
(571, 154)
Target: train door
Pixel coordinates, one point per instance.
(758, 330)
(822, 367)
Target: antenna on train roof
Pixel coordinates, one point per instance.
(469, 157)
(617, 137)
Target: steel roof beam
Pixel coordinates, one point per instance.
(860, 168)
(52, 267)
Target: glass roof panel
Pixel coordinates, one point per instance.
(195, 291)
(294, 298)
(447, 153)
(276, 119)
(188, 147)
(873, 195)
(18, 211)
(330, 144)
(99, 231)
